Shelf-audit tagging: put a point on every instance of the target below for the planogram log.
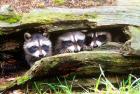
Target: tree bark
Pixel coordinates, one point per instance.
(87, 62)
(56, 19)
(80, 64)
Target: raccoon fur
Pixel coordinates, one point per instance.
(36, 46)
(70, 42)
(97, 39)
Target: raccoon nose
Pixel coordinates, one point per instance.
(77, 48)
(94, 46)
(41, 55)
(76, 51)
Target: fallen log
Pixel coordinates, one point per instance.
(125, 60)
(82, 63)
(55, 19)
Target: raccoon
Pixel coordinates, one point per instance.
(97, 39)
(70, 42)
(36, 46)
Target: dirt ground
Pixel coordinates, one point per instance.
(26, 5)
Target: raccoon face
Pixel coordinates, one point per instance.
(70, 42)
(96, 39)
(37, 45)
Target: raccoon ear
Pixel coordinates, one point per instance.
(27, 36)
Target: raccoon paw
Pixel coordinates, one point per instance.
(65, 51)
(87, 48)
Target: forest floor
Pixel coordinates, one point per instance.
(27, 5)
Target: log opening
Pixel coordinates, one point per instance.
(117, 33)
(79, 63)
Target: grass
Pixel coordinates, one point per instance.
(128, 86)
(58, 88)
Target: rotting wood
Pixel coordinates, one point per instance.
(132, 46)
(91, 17)
(86, 63)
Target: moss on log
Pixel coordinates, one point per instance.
(56, 19)
(87, 62)
(82, 63)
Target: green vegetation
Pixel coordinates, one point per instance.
(93, 15)
(23, 79)
(10, 18)
(59, 2)
(58, 88)
(128, 86)
(48, 17)
(1, 33)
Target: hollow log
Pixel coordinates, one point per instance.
(82, 63)
(125, 60)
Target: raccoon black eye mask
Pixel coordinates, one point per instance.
(36, 46)
(33, 49)
(70, 42)
(96, 39)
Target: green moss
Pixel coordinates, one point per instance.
(59, 2)
(48, 17)
(10, 18)
(1, 33)
(23, 79)
(93, 15)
